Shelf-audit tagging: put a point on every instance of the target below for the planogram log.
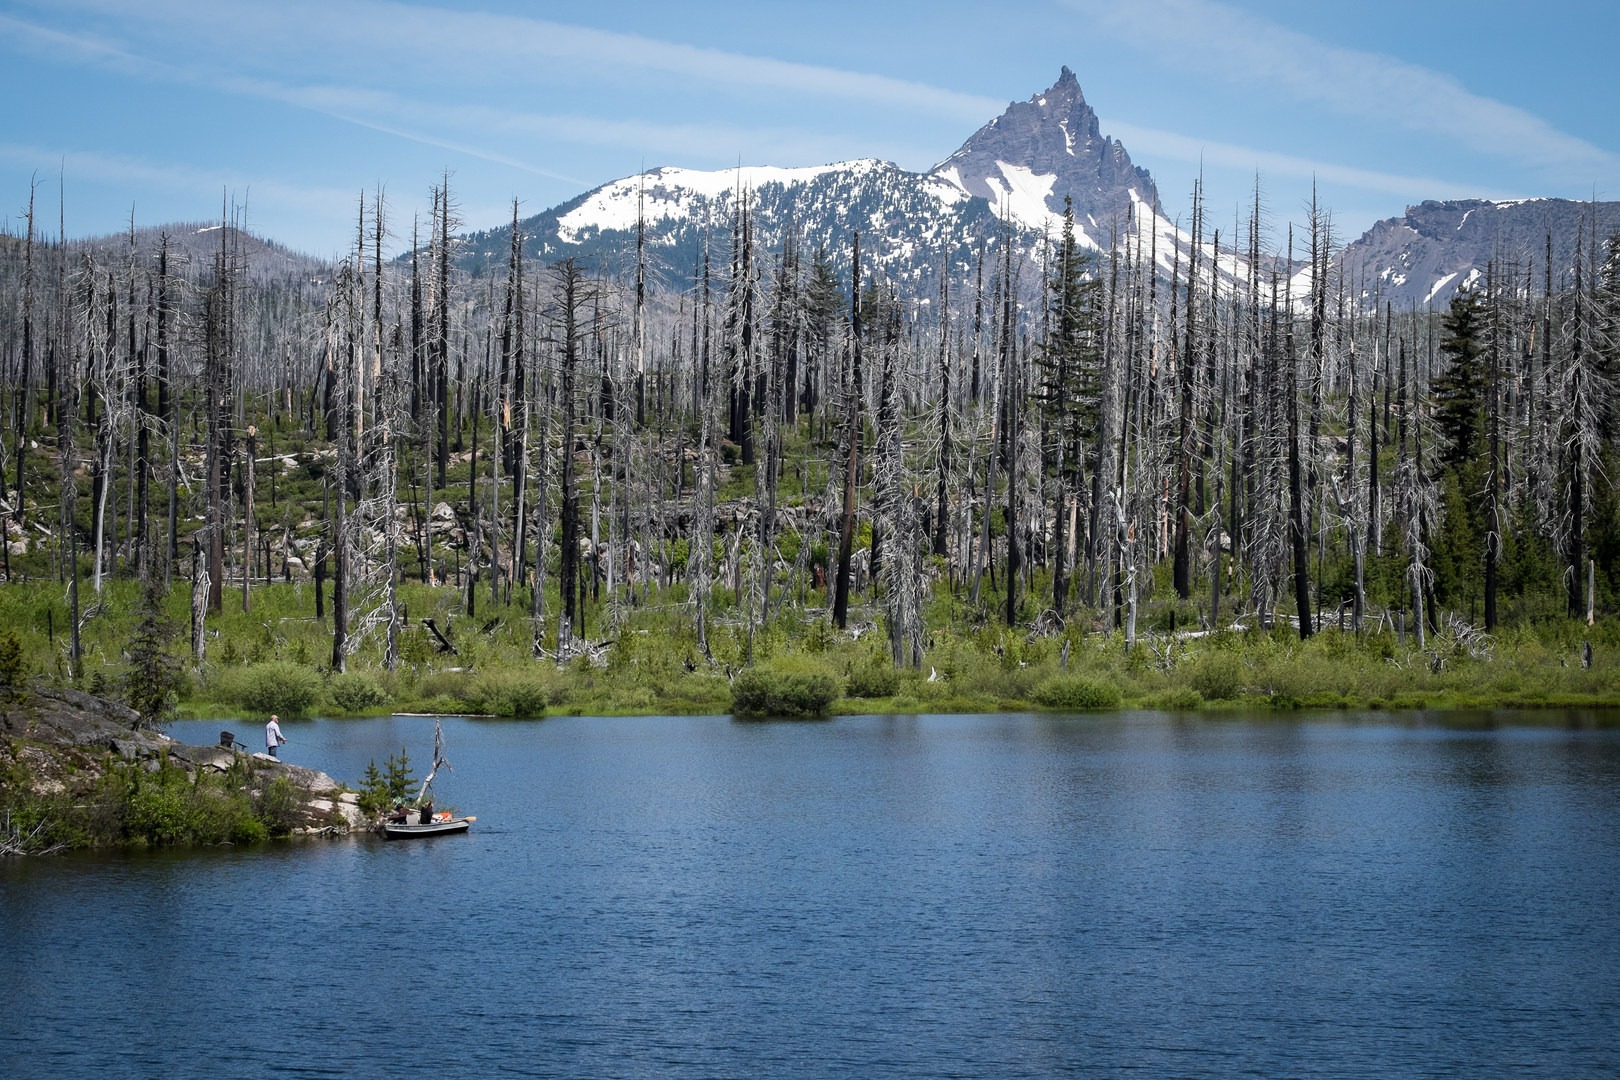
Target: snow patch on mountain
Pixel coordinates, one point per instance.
(671, 194)
(1438, 285)
(1022, 194)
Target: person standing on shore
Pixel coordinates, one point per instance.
(272, 735)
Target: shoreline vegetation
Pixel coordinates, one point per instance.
(270, 660)
(124, 784)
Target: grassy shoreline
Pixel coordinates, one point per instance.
(275, 657)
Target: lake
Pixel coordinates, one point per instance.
(1393, 895)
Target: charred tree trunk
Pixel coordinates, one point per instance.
(852, 460)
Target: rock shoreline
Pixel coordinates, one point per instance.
(65, 740)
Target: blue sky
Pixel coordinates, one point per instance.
(292, 108)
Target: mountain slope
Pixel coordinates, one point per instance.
(1010, 179)
(908, 221)
(1037, 152)
(1435, 248)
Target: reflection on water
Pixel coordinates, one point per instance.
(998, 896)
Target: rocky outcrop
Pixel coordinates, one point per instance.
(1424, 257)
(65, 740)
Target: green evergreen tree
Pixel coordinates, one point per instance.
(1071, 374)
(1460, 388)
(152, 680)
(397, 776)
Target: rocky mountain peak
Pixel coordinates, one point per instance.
(1039, 151)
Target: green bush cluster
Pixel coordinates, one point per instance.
(180, 813)
(163, 807)
(1217, 676)
(276, 686)
(1177, 699)
(1076, 692)
(270, 659)
(355, 692)
(782, 689)
(279, 806)
(526, 692)
(876, 677)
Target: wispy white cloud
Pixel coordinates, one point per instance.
(278, 53)
(90, 165)
(1168, 144)
(303, 36)
(1247, 49)
(413, 118)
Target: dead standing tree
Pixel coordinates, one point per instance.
(572, 292)
(852, 460)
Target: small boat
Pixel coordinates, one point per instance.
(401, 830)
(440, 824)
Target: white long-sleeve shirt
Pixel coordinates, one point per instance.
(272, 735)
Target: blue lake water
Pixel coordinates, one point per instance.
(930, 896)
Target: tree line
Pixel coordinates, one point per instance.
(1205, 428)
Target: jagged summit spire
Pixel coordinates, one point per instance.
(1068, 84)
(1044, 149)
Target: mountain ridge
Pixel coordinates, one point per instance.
(1006, 182)
(1439, 246)
(999, 161)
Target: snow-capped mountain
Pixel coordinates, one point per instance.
(1009, 181)
(1028, 159)
(1009, 178)
(1423, 257)
(908, 222)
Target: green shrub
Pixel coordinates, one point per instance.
(160, 814)
(279, 686)
(876, 678)
(11, 664)
(166, 808)
(279, 806)
(443, 704)
(1077, 692)
(694, 694)
(452, 689)
(1179, 699)
(524, 693)
(355, 691)
(782, 690)
(1217, 676)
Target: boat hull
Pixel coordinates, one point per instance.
(397, 830)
